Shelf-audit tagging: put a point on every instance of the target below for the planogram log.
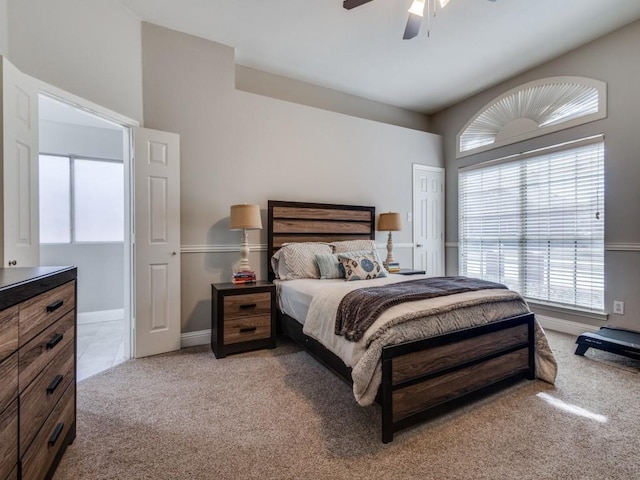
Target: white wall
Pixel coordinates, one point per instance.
(4, 29)
(79, 140)
(284, 88)
(241, 147)
(89, 48)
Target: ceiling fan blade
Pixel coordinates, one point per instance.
(349, 4)
(413, 26)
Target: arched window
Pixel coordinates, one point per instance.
(533, 109)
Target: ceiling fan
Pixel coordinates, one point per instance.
(416, 12)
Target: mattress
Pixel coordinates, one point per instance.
(295, 296)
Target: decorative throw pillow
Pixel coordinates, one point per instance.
(300, 259)
(362, 266)
(353, 246)
(329, 266)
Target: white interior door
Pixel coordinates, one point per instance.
(428, 219)
(21, 241)
(156, 242)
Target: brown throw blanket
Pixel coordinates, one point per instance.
(360, 308)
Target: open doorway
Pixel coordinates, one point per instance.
(83, 222)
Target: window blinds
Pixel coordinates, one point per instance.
(536, 224)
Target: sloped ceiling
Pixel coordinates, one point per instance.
(472, 45)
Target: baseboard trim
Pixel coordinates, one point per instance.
(565, 326)
(100, 316)
(193, 339)
(203, 337)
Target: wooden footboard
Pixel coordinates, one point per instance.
(423, 378)
(419, 377)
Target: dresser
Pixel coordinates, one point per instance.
(37, 369)
(242, 317)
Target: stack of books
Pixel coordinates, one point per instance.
(393, 267)
(246, 276)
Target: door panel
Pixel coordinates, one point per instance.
(21, 242)
(428, 218)
(157, 242)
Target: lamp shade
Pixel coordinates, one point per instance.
(389, 222)
(245, 217)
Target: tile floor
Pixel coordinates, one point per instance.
(100, 347)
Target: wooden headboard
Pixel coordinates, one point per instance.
(316, 222)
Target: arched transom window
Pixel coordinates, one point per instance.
(533, 109)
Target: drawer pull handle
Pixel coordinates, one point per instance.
(56, 433)
(248, 305)
(55, 340)
(54, 384)
(248, 329)
(54, 306)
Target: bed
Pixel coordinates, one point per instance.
(410, 371)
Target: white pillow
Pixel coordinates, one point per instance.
(278, 266)
(353, 245)
(300, 259)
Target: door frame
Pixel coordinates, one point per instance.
(127, 123)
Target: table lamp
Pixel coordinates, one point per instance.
(245, 217)
(389, 222)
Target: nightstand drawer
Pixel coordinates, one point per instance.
(8, 434)
(41, 311)
(37, 354)
(247, 305)
(37, 401)
(247, 329)
(9, 376)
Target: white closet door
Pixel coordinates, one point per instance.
(21, 241)
(428, 219)
(157, 241)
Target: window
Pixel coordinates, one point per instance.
(55, 199)
(81, 200)
(533, 109)
(536, 223)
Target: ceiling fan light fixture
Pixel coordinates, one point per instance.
(417, 7)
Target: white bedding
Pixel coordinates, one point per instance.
(314, 304)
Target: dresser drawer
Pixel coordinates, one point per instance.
(14, 474)
(8, 331)
(39, 398)
(247, 305)
(36, 354)
(38, 458)
(41, 311)
(8, 435)
(9, 378)
(246, 329)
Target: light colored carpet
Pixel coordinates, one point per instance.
(278, 414)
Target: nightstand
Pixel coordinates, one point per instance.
(243, 317)
(410, 271)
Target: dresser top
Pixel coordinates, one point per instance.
(18, 284)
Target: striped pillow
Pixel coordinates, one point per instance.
(329, 266)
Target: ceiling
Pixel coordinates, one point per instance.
(473, 44)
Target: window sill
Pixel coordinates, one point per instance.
(578, 312)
